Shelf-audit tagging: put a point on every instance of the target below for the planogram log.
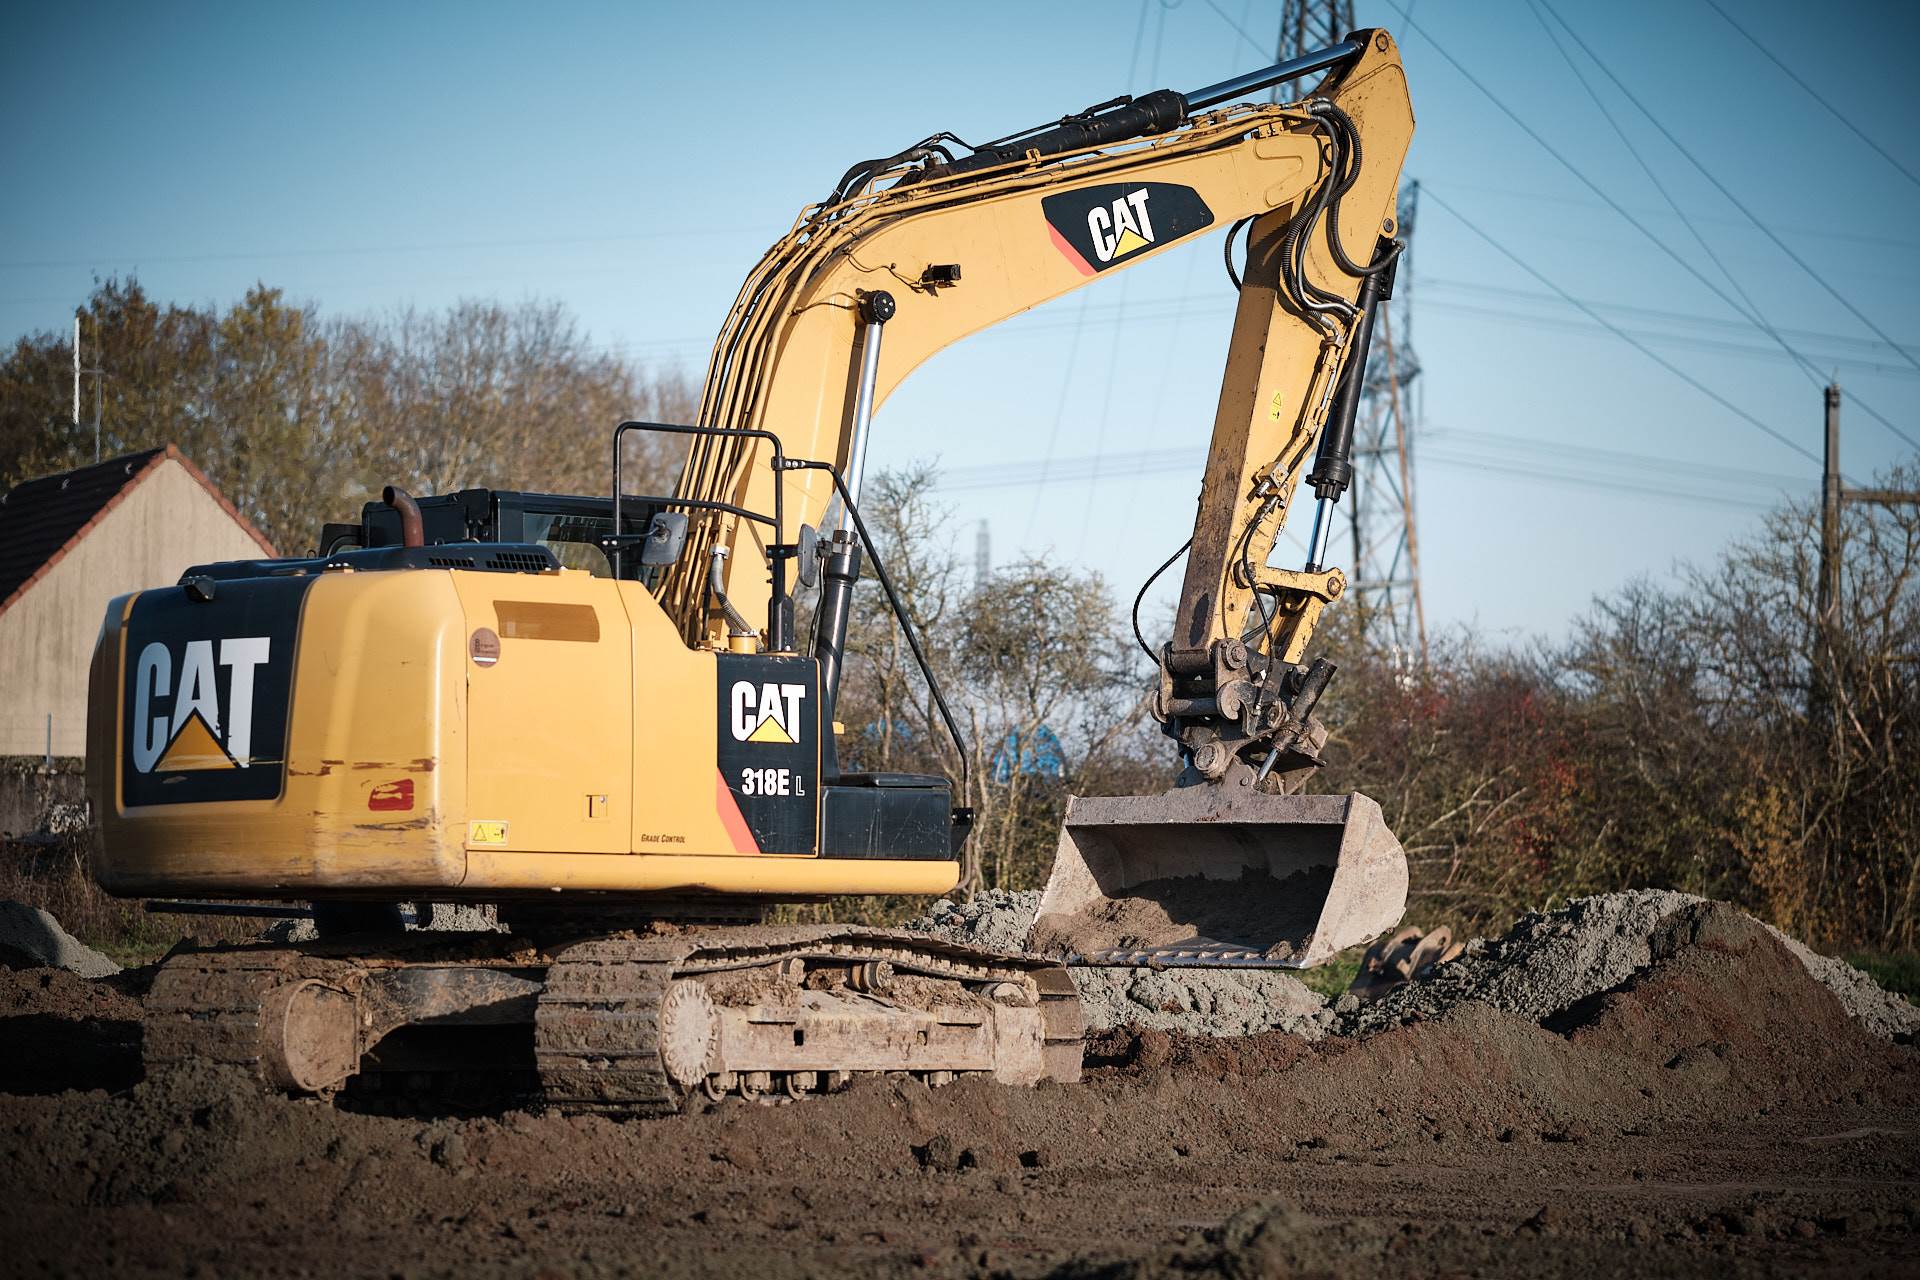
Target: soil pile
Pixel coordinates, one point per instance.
(994, 919)
(67, 1032)
(1255, 911)
(1715, 1111)
(1195, 1002)
(32, 939)
(1549, 963)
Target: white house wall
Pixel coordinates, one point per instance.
(164, 524)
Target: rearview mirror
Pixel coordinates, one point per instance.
(807, 553)
(666, 538)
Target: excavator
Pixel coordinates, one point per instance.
(597, 715)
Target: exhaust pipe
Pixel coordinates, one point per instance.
(413, 530)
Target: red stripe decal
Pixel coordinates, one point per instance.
(731, 819)
(1073, 254)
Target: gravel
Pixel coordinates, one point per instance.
(1547, 963)
(1203, 1002)
(32, 939)
(441, 917)
(994, 920)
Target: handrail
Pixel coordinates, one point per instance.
(777, 559)
(899, 612)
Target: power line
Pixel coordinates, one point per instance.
(1089, 469)
(1621, 210)
(1737, 203)
(1257, 47)
(1585, 457)
(1811, 92)
(442, 247)
(1865, 346)
(1623, 335)
(1818, 233)
(1712, 346)
(1752, 311)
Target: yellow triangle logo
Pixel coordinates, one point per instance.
(194, 747)
(1129, 242)
(769, 730)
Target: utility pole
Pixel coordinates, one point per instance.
(1830, 497)
(1384, 571)
(1834, 497)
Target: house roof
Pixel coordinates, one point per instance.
(40, 520)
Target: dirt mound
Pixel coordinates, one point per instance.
(1202, 1002)
(993, 919)
(1885, 1014)
(32, 939)
(1716, 1111)
(1550, 962)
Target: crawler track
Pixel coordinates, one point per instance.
(631, 1023)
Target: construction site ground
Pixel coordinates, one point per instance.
(1715, 1110)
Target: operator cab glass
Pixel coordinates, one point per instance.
(569, 525)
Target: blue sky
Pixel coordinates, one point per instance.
(633, 161)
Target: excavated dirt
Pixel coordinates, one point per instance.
(1256, 911)
(1713, 1110)
(1206, 1002)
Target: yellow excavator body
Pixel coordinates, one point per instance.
(433, 709)
(450, 734)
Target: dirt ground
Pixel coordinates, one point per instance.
(1717, 1113)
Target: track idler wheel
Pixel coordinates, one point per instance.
(309, 1037)
(689, 1032)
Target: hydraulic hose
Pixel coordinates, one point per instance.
(736, 621)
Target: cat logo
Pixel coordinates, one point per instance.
(766, 712)
(1110, 224)
(1121, 229)
(188, 735)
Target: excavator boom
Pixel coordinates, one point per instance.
(915, 251)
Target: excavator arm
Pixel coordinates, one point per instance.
(914, 252)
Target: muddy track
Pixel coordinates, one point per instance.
(1716, 1112)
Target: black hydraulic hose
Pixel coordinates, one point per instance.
(1344, 123)
(899, 612)
(1308, 296)
(1145, 587)
(1233, 233)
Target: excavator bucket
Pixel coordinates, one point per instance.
(1205, 878)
